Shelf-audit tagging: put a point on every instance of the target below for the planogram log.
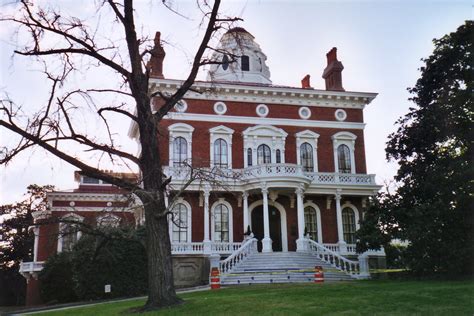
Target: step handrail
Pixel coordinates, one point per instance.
(336, 260)
(247, 248)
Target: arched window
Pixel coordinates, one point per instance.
(180, 223)
(349, 225)
(220, 153)
(245, 63)
(69, 234)
(225, 62)
(180, 151)
(263, 154)
(278, 156)
(344, 158)
(306, 153)
(221, 223)
(249, 157)
(311, 222)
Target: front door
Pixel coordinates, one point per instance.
(275, 226)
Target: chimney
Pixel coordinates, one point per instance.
(155, 64)
(333, 72)
(305, 82)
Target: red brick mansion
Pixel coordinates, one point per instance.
(288, 166)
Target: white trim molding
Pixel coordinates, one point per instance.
(318, 218)
(262, 110)
(62, 226)
(356, 212)
(311, 138)
(226, 134)
(344, 138)
(220, 108)
(304, 113)
(189, 214)
(180, 130)
(231, 217)
(264, 134)
(340, 115)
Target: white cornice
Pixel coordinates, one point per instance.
(79, 196)
(267, 94)
(262, 121)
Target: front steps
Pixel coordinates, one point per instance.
(280, 267)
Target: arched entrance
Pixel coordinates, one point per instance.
(276, 213)
(275, 226)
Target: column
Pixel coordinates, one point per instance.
(35, 247)
(245, 205)
(266, 241)
(301, 243)
(206, 242)
(340, 231)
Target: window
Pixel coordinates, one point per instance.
(180, 223)
(249, 157)
(344, 159)
(245, 63)
(263, 154)
(221, 223)
(225, 62)
(90, 180)
(306, 152)
(278, 156)
(220, 153)
(108, 220)
(349, 225)
(69, 236)
(180, 151)
(311, 222)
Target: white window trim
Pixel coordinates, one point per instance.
(231, 221)
(356, 214)
(318, 218)
(180, 130)
(73, 216)
(220, 112)
(226, 134)
(344, 138)
(269, 135)
(184, 105)
(311, 138)
(300, 112)
(262, 106)
(181, 200)
(116, 220)
(344, 115)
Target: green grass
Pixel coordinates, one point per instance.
(351, 298)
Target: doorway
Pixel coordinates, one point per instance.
(275, 226)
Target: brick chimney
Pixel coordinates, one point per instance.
(155, 64)
(305, 82)
(333, 72)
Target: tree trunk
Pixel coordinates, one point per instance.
(161, 291)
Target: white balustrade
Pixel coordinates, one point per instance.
(225, 247)
(187, 247)
(273, 170)
(31, 267)
(238, 256)
(336, 260)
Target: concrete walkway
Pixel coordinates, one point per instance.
(42, 309)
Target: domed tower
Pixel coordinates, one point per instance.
(243, 60)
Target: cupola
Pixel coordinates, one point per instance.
(240, 59)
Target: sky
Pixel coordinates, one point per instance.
(380, 44)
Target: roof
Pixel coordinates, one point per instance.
(238, 30)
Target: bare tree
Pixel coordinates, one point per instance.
(67, 45)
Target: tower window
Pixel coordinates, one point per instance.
(225, 62)
(245, 63)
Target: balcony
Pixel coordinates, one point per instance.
(268, 172)
(31, 269)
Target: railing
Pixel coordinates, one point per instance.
(225, 247)
(247, 248)
(30, 267)
(187, 247)
(336, 260)
(274, 170)
(332, 247)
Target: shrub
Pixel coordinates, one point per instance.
(57, 280)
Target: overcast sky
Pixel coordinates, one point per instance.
(380, 44)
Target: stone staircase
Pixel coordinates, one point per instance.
(280, 267)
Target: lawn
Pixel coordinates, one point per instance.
(351, 298)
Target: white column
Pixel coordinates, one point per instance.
(35, 247)
(266, 241)
(301, 243)
(206, 241)
(340, 231)
(245, 205)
